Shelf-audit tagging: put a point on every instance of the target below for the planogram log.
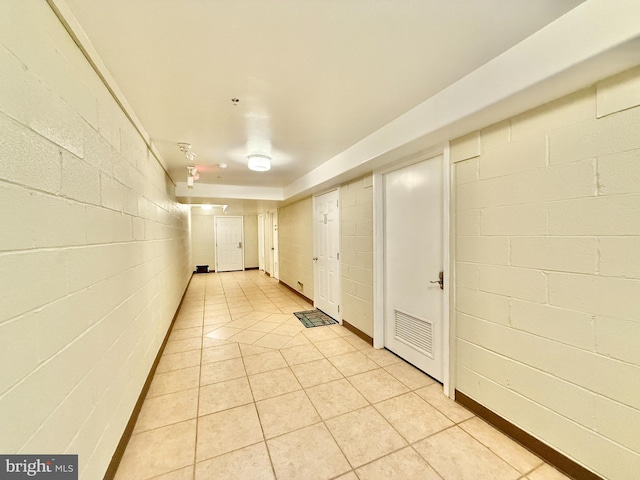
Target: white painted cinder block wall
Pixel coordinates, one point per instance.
(356, 245)
(94, 249)
(548, 273)
(295, 245)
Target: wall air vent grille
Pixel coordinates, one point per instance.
(415, 332)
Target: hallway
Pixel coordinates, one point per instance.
(244, 391)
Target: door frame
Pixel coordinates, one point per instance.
(313, 233)
(215, 236)
(448, 350)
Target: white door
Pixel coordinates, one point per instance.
(229, 244)
(268, 244)
(413, 260)
(274, 246)
(261, 264)
(326, 257)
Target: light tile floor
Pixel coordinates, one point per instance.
(244, 391)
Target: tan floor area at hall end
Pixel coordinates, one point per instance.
(243, 391)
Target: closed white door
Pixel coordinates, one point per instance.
(326, 257)
(413, 260)
(229, 244)
(261, 262)
(274, 247)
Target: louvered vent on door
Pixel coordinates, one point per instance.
(415, 332)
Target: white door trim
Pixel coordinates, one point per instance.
(378, 262)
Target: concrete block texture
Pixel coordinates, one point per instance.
(94, 249)
(295, 247)
(356, 246)
(619, 173)
(465, 147)
(548, 274)
(566, 254)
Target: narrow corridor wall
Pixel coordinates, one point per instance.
(356, 238)
(94, 249)
(547, 235)
(295, 245)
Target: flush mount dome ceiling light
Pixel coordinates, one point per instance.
(259, 162)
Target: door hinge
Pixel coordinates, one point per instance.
(337, 203)
(338, 308)
(338, 256)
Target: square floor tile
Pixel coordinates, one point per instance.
(382, 356)
(273, 383)
(364, 435)
(216, 319)
(316, 372)
(213, 342)
(286, 413)
(413, 417)
(334, 346)
(167, 409)
(242, 323)
(185, 322)
(177, 361)
(288, 330)
(263, 326)
(335, 398)
(227, 431)
(347, 476)
(455, 455)
(340, 331)
(220, 371)
(246, 336)
(182, 474)
(221, 352)
(318, 334)
(224, 395)
(185, 333)
(158, 451)
(174, 381)
(264, 362)
(247, 350)
(296, 341)
(514, 454)
(353, 363)
(309, 454)
(434, 395)
(248, 463)
(272, 340)
(301, 354)
(278, 318)
(222, 333)
(183, 345)
(377, 385)
(546, 472)
(404, 464)
(358, 343)
(409, 375)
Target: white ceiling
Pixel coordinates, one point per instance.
(313, 77)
